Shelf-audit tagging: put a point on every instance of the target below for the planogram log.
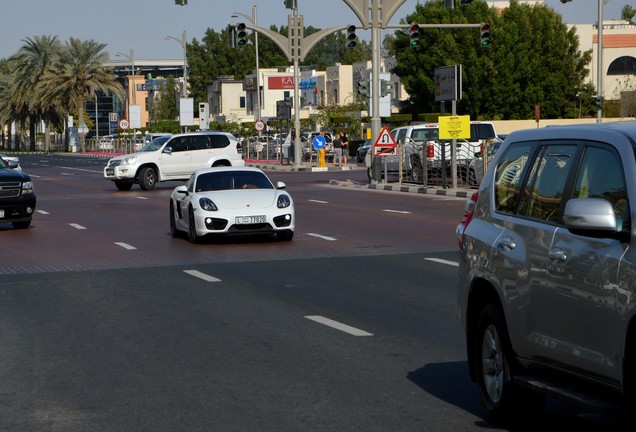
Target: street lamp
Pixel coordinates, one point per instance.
(184, 45)
(131, 59)
(252, 19)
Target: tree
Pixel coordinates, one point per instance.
(79, 73)
(532, 59)
(627, 13)
(31, 62)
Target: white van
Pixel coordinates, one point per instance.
(173, 157)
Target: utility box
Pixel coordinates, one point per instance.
(204, 116)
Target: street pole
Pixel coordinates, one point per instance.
(257, 102)
(599, 66)
(184, 46)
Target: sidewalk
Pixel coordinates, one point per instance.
(392, 187)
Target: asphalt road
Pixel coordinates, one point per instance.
(110, 324)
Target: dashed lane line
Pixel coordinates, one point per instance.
(396, 211)
(443, 261)
(77, 226)
(338, 325)
(320, 236)
(125, 246)
(203, 276)
(318, 201)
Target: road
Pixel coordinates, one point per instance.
(110, 324)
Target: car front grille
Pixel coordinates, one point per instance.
(113, 164)
(10, 189)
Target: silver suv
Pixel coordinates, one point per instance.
(547, 280)
(173, 157)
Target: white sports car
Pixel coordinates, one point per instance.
(231, 200)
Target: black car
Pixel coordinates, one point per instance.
(362, 150)
(17, 200)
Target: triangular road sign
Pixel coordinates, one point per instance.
(385, 139)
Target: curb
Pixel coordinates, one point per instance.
(458, 193)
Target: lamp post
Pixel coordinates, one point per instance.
(257, 104)
(131, 59)
(184, 45)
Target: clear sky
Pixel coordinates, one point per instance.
(144, 24)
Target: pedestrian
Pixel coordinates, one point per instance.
(344, 141)
(337, 151)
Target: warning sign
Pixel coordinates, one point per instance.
(454, 127)
(385, 145)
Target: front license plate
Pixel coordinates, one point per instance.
(241, 220)
(110, 171)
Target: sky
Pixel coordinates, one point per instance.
(143, 25)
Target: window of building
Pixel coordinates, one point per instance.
(242, 102)
(625, 65)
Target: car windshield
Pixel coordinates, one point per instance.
(2, 164)
(155, 144)
(230, 180)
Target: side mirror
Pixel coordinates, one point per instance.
(590, 214)
(167, 150)
(280, 185)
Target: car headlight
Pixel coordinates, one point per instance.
(283, 201)
(206, 204)
(27, 187)
(128, 160)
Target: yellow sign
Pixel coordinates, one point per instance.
(454, 127)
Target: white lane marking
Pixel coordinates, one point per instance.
(338, 325)
(77, 226)
(318, 201)
(321, 236)
(42, 212)
(78, 169)
(203, 276)
(396, 211)
(68, 174)
(142, 198)
(125, 246)
(443, 261)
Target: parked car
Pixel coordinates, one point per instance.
(363, 149)
(477, 167)
(17, 199)
(173, 157)
(231, 200)
(12, 162)
(547, 293)
(309, 152)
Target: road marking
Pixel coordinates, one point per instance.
(443, 261)
(125, 246)
(42, 212)
(318, 201)
(68, 174)
(78, 169)
(396, 211)
(338, 325)
(142, 198)
(321, 237)
(77, 226)
(203, 276)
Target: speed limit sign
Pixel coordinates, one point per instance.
(259, 125)
(123, 124)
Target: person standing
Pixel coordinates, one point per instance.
(344, 141)
(337, 151)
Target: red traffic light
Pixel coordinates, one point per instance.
(415, 28)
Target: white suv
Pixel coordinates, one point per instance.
(173, 157)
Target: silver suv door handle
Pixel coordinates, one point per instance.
(507, 243)
(557, 254)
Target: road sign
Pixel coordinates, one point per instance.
(259, 125)
(123, 124)
(385, 145)
(454, 127)
(319, 142)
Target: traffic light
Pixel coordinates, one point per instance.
(485, 35)
(363, 88)
(241, 34)
(181, 2)
(231, 36)
(352, 39)
(386, 88)
(415, 35)
(465, 2)
(290, 4)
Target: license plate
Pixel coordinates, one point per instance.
(110, 171)
(241, 220)
(1, 214)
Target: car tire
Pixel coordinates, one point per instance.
(285, 235)
(147, 178)
(501, 398)
(192, 227)
(417, 172)
(124, 185)
(173, 224)
(21, 224)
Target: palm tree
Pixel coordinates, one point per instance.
(32, 61)
(79, 74)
